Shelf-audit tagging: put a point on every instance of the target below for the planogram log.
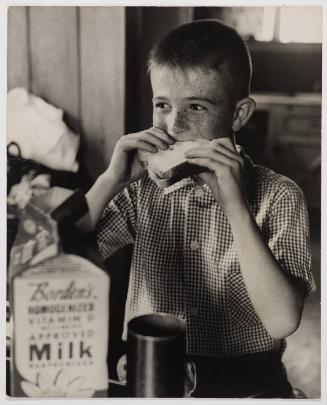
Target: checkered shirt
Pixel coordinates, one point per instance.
(185, 263)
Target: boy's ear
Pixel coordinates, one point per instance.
(243, 110)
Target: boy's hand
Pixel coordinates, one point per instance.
(131, 151)
(225, 178)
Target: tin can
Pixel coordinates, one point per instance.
(156, 356)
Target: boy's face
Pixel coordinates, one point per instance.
(191, 104)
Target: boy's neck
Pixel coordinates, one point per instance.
(199, 181)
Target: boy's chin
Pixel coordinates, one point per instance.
(184, 137)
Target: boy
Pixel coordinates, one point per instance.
(226, 250)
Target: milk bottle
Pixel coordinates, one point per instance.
(59, 306)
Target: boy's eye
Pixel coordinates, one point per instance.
(196, 107)
(161, 105)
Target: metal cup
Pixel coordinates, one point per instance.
(156, 354)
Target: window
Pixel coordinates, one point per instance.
(279, 24)
(291, 24)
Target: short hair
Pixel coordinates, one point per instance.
(206, 44)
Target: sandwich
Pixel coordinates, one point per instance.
(166, 167)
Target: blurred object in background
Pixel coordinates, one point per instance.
(20, 193)
(285, 134)
(38, 129)
(39, 143)
(41, 152)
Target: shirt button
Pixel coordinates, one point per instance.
(199, 192)
(194, 245)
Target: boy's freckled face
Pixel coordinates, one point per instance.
(191, 104)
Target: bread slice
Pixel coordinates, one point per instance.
(169, 166)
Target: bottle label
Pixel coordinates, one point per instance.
(60, 329)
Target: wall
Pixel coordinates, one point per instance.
(150, 24)
(63, 55)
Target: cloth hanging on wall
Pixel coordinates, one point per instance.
(37, 127)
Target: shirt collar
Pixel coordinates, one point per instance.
(248, 173)
(249, 167)
(179, 184)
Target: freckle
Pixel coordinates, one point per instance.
(196, 119)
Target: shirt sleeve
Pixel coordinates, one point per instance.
(117, 225)
(290, 236)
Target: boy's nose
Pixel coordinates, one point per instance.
(177, 124)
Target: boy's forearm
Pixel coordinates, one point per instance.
(100, 194)
(277, 301)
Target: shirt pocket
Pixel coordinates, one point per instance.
(240, 308)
